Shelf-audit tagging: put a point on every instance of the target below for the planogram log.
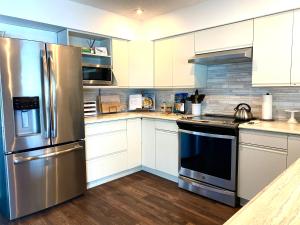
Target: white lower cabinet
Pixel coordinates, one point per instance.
(166, 148)
(148, 143)
(259, 165)
(294, 149)
(104, 144)
(106, 166)
(134, 130)
(112, 147)
(160, 146)
(125, 145)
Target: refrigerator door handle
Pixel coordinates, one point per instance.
(52, 95)
(53, 154)
(45, 95)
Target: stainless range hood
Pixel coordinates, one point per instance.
(223, 57)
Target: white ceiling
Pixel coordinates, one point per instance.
(151, 8)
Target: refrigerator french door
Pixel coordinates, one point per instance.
(43, 157)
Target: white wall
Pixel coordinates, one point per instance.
(206, 14)
(212, 13)
(13, 31)
(72, 15)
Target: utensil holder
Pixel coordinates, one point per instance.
(196, 109)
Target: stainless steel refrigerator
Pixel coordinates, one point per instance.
(42, 162)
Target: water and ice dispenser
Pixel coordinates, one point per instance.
(27, 115)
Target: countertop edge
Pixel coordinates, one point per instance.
(274, 127)
(115, 117)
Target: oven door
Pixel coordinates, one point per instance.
(210, 158)
(96, 74)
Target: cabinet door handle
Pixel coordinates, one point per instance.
(278, 151)
(166, 131)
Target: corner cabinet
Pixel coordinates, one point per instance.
(148, 143)
(141, 64)
(272, 50)
(134, 130)
(120, 62)
(163, 63)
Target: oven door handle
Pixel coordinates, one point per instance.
(207, 134)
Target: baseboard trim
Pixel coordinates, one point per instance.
(131, 171)
(243, 201)
(113, 177)
(160, 174)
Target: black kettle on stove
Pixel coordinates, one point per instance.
(243, 112)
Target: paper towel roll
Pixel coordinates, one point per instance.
(267, 107)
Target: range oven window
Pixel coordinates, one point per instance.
(206, 154)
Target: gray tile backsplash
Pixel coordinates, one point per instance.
(227, 85)
(91, 94)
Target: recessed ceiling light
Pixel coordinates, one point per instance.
(139, 11)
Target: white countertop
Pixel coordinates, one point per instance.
(276, 204)
(272, 126)
(131, 115)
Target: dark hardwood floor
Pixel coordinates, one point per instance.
(140, 198)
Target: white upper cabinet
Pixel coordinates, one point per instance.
(163, 63)
(141, 64)
(183, 72)
(272, 50)
(236, 35)
(120, 62)
(171, 67)
(295, 72)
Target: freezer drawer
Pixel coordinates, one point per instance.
(43, 178)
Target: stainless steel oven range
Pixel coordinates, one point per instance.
(208, 157)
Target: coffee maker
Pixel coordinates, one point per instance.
(180, 105)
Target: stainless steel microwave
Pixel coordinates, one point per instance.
(96, 74)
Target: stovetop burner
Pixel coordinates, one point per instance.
(212, 120)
